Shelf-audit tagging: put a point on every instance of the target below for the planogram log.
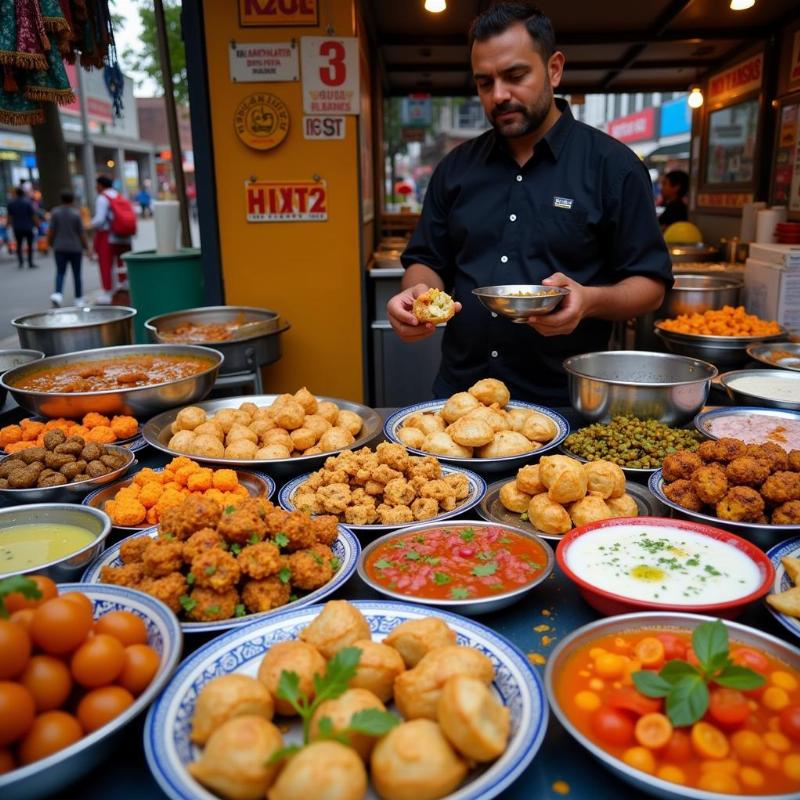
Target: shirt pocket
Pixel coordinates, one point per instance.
(562, 237)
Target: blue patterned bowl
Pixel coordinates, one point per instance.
(346, 548)
(54, 773)
(166, 733)
(791, 547)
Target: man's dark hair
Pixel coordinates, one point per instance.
(680, 180)
(503, 14)
(19, 192)
(67, 196)
(105, 181)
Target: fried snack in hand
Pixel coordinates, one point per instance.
(434, 306)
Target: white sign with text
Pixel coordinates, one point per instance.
(330, 74)
(254, 62)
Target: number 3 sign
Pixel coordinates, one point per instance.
(330, 74)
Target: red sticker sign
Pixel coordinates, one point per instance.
(281, 201)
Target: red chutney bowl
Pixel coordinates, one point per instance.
(467, 566)
(652, 549)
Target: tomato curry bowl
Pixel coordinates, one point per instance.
(468, 566)
(682, 706)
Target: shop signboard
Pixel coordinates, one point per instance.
(417, 109)
(330, 74)
(412, 134)
(272, 13)
(724, 199)
(324, 127)
(286, 201)
(638, 127)
(261, 121)
(254, 62)
(676, 117)
(740, 79)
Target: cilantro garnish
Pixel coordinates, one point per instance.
(190, 578)
(484, 570)
(413, 555)
(685, 687)
(459, 593)
(467, 535)
(235, 549)
(336, 563)
(382, 563)
(285, 574)
(188, 603)
(240, 610)
(253, 539)
(17, 583)
(441, 578)
(281, 539)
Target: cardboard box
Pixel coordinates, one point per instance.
(787, 255)
(772, 291)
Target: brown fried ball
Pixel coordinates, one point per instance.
(216, 569)
(275, 520)
(326, 528)
(192, 515)
(709, 483)
(746, 471)
(788, 513)
(260, 560)
(300, 530)
(781, 487)
(9, 465)
(91, 451)
(741, 504)
(769, 451)
(168, 589)
(127, 575)
(53, 479)
(162, 557)
(205, 605)
(113, 460)
(270, 593)
(794, 460)
(727, 449)
(58, 460)
(74, 445)
(708, 450)
(31, 454)
(242, 526)
(680, 465)
(54, 438)
(199, 542)
(132, 550)
(69, 471)
(23, 478)
(311, 568)
(682, 492)
(97, 469)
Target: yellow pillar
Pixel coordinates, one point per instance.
(307, 271)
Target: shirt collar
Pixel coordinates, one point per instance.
(552, 142)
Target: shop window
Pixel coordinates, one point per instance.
(731, 143)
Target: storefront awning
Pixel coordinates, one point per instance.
(676, 150)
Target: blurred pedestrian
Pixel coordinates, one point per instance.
(113, 225)
(68, 240)
(145, 202)
(22, 216)
(674, 186)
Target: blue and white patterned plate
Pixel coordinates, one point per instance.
(258, 484)
(791, 547)
(483, 465)
(477, 489)
(48, 776)
(346, 548)
(166, 733)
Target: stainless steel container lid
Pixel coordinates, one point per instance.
(73, 317)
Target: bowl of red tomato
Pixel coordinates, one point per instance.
(623, 565)
(79, 662)
(681, 705)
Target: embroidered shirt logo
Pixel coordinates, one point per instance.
(563, 202)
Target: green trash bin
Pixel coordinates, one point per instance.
(160, 283)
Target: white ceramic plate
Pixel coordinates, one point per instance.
(166, 733)
(477, 489)
(346, 548)
(791, 547)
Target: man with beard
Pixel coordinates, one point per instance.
(539, 199)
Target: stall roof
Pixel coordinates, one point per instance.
(611, 46)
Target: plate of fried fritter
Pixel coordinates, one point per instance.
(385, 489)
(784, 600)
(220, 567)
(752, 489)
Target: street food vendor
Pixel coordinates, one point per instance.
(539, 199)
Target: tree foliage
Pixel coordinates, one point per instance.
(144, 59)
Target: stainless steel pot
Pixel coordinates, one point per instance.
(659, 386)
(692, 252)
(15, 358)
(65, 330)
(694, 294)
(241, 355)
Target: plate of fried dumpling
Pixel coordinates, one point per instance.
(481, 428)
(783, 601)
(468, 711)
(560, 493)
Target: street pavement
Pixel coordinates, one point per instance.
(24, 291)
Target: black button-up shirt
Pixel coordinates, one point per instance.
(582, 205)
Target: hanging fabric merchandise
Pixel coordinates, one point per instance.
(36, 37)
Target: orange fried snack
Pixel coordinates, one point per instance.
(726, 321)
(124, 426)
(93, 419)
(94, 428)
(10, 434)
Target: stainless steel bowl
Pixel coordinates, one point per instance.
(659, 386)
(483, 605)
(157, 432)
(518, 302)
(261, 347)
(742, 397)
(565, 650)
(723, 351)
(69, 492)
(687, 253)
(15, 358)
(71, 567)
(53, 774)
(64, 330)
(140, 401)
(788, 354)
(694, 294)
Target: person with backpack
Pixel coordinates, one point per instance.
(113, 225)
